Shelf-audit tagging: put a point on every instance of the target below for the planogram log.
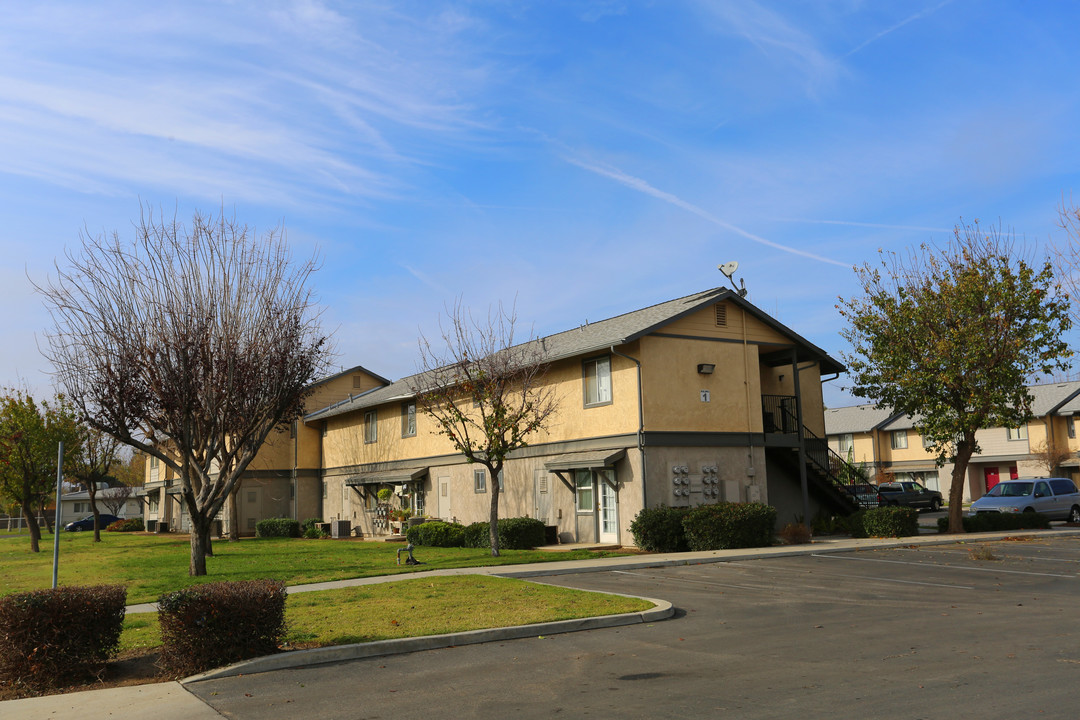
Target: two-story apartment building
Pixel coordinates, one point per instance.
(695, 400)
(888, 444)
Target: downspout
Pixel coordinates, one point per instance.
(296, 486)
(641, 424)
(802, 438)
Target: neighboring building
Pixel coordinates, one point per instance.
(888, 444)
(283, 480)
(76, 505)
(695, 400)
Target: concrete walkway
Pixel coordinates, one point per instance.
(165, 701)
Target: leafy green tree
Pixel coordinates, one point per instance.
(952, 336)
(29, 436)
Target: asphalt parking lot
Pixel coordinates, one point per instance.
(982, 630)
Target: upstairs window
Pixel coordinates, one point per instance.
(1019, 433)
(1070, 426)
(899, 439)
(597, 381)
(408, 419)
(846, 444)
(371, 426)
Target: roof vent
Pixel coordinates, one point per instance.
(721, 315)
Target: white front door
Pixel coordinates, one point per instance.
(609, 507)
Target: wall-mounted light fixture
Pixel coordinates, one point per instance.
(706, 368)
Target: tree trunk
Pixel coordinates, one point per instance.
(46, 518)
(493, 528)
(964, 451)
(208, 545)
(91, 490)
(234, 514)
(31, 524)
(199, 537)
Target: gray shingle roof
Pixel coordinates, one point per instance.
(855, 418)
(1047, 398)
(597, 336)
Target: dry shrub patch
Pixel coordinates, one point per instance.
(49, 638)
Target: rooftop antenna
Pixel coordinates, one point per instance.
(728, 269)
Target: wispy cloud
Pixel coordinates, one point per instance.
(644, 187)
(910, 19)
(883, 226)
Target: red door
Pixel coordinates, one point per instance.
(992, 478)
(1013, 475)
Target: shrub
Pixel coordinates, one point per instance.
(51, 637)
(128, 525)
(478, 535)
(277, 527)
(206, 626)
(311, 529)
(795, 534)
(856, 524)
(990, 522)
(660, 529)
(520, 533)
(891, 522)
(729, 525)
(437, 534)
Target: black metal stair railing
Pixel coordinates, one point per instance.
(828, 467)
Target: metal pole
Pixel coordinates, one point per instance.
(56, 523)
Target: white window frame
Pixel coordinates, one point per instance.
(584, 491)
(596, 381)
(479, 481)
(408, 418)
(1018, 433)
(845, 443)
(898, 440)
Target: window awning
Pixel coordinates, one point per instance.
(388, 477)
(593, 460)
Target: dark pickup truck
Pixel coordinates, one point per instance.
(909, 494)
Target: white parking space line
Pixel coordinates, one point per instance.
(950, 567)
(1012, 553)
(818, 573)
(685, 580)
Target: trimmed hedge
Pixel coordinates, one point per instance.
(207, 626)
(277, 527)
(520, 533)
(660, 529)
(52, 637)
(128, 525)
(728, 525)
(437, 534)
(889, 522)
(994, 521)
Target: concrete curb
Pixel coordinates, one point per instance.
(339, 653)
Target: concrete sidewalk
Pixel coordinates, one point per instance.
(170, 700)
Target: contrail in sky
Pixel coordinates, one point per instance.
(644, 187)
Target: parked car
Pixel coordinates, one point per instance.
(87, 523)
(865, 494)
(1056, 498)
(910, 494)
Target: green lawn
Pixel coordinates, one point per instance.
(149, 565)
(417, 607)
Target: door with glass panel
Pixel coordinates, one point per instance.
(608, 506)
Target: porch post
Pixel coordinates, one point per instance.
(802, 438)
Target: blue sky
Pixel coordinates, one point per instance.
(586, 158)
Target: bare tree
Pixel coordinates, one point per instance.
(485, 394)
(190, 344)
(1066, 253)
(1051, 454)
(114, 498)
(90, 466)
